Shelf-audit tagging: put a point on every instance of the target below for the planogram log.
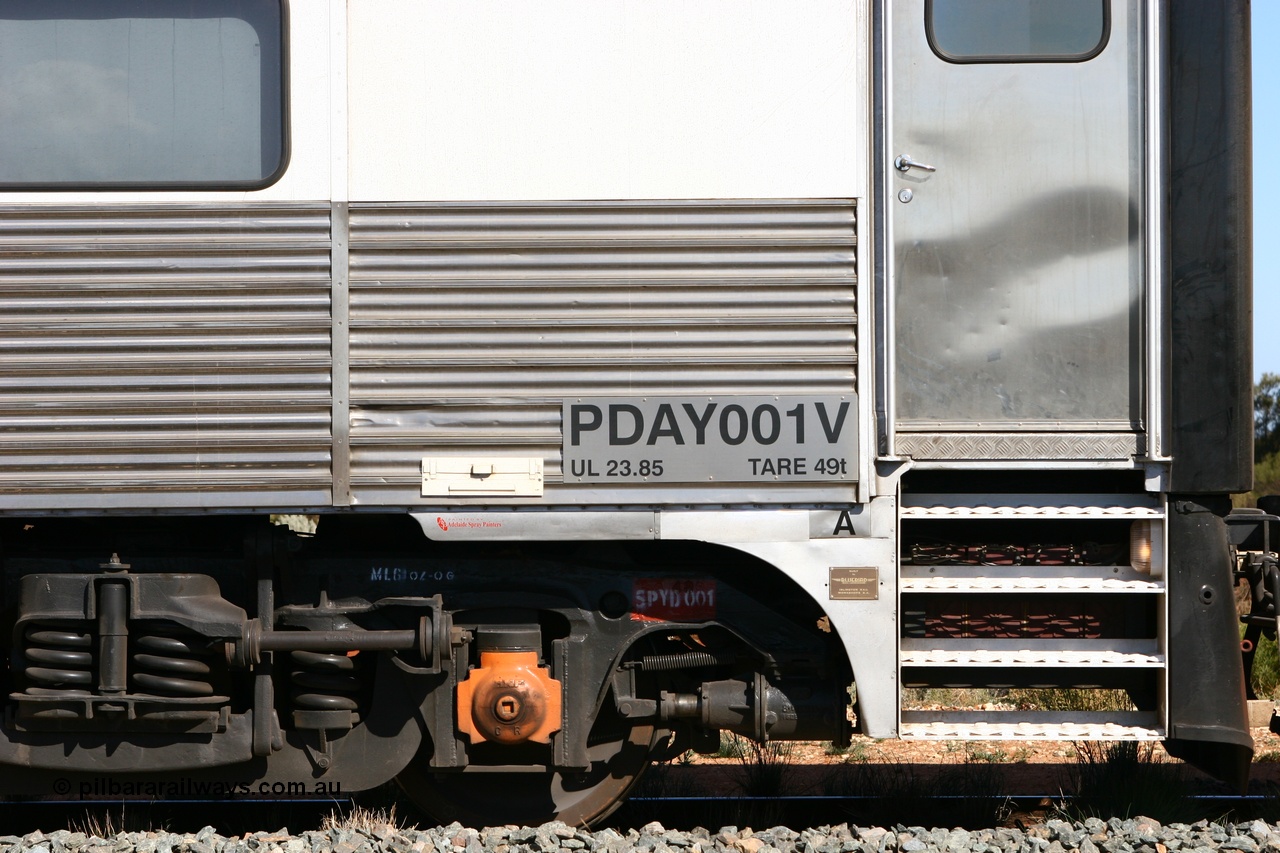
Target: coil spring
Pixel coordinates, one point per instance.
(659, 663)
(59, 661)
(170, 666)
(324, 682)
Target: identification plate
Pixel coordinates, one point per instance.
(700, 439)
(861, 584)
(673, 600)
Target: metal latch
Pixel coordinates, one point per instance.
(463, 476)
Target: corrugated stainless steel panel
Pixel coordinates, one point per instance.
(164, 356)
(471, 323)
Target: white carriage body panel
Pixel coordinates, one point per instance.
(626, 99)
(441, 269)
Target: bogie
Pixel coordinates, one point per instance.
(351, 668)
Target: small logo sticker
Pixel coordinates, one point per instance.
(443, 524)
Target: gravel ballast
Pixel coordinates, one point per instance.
(1138, 835)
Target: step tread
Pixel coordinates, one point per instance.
(1026, 583)
(1025, 653)
(1027, 730)
(1028, 510)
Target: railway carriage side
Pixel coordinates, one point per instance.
(501, 400)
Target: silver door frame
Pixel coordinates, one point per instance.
(1157, 225)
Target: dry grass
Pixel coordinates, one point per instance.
(967, 793)
(367, 820)
(108, 822)
(1124, 779)
(763, 766)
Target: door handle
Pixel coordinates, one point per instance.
(904, 163)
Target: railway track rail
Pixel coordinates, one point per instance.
(247, 818)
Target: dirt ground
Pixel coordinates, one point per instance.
(1266, 753)
(1024, 768)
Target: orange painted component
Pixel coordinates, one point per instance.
(509, 699)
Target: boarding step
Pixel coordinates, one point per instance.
(1030, 506)
(1047, 579)
(1030, 725)
(1128, 654)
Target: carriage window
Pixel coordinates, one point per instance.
(141, 93)
(1017, 30)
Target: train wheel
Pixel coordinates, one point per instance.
(478, 798)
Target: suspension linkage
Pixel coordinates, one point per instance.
(255, 640)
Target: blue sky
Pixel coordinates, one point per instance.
(1266, 187)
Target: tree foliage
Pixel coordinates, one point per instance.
(1266, 416)
(1266, 477)
(1266, 440)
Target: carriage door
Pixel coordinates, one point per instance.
(1014, 190)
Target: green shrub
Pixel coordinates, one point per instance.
(1062, 699)
(1266, 669)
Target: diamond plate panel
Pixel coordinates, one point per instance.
(1001, 446)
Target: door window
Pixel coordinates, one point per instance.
(1017, 30)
